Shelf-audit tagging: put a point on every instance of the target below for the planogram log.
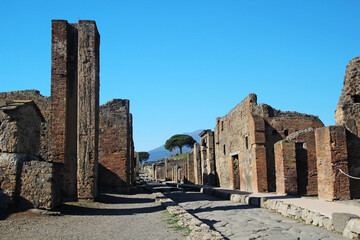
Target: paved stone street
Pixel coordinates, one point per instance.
(116, 216)
(239, 221)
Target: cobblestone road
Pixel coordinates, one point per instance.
(239, 221)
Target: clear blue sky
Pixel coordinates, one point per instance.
(184, 63)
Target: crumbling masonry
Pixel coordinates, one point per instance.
(49, 148)
(260, 149)
(75, 105)
(116, 151)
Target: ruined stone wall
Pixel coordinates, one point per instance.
(172, 169)
(331, 154)
(279, 126)
(115, 146)
(159, 171)
(247, 134)
(348, 109)
(230, 133)
(305, 165)
(39, 182)
(348, 114)
(207, 153)
(25, 181)
(43, 104)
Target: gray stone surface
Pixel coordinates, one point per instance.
(241, 221)
(340, 220)
(352, 229)
(115, 217)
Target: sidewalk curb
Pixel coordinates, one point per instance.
(350, 230)
(199, 230)
(349, 225)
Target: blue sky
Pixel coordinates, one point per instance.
(184, 63)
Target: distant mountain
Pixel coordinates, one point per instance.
(161, 152)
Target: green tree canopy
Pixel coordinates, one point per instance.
(143, 156)
(179, 140)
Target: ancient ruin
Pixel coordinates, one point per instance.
(116, 151)
(49, 148)
(256, 148)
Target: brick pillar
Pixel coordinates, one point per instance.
(285, 165)
(88, 109)
(331, 154)
(190, 170)
(63, 113)
(259, 179)
(197, 164)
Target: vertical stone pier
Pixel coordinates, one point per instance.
(332, 155)
(64, 102)
(88, 109)
(285, 162)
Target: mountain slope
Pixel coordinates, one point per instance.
(161, 152)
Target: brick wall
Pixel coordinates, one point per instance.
(250, 131)
(115, 144)
(331, 154)
(286, 175)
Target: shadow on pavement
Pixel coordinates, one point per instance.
(113, 199)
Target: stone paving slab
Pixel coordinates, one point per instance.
(242, 221)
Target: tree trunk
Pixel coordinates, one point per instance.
(180, 149)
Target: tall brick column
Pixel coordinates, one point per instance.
(331, 154)
(197, 164)
(190, 170)
(64, 102)
(285, 164)
(88, 109)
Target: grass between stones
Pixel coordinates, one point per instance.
(173, 220)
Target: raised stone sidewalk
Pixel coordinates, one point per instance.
(342, 217)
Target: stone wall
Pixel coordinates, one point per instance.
(116, 158)
(207, 156)
(348, 114)
(299, 154)
(25, 181)
(43, 103)
(348, 108)
(39, 182)
(248, 133)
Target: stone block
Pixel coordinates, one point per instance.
(352, 229)
(340, 220)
